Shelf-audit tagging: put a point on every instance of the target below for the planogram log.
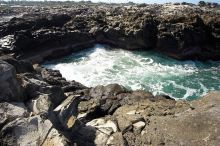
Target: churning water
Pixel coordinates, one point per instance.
(140, 70)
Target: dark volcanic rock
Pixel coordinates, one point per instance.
(188, 39)
(106, 91)
(102, 100)
(21, 66)
(53, 77)
(34, 85)
(10, 87)
(182, 31)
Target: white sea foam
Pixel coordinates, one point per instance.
(105, 66)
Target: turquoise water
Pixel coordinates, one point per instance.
(140, 70)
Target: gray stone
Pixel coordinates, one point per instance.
(9, 87)
(106, 91)
(54, 138)
(67, 111)
(40, 93)
(40, 104)
(33, 131)
(32, 85)
(139, 126)
(55, 94)
(97, 131)
(116, 139)
(21, 66)
(11, 111)
(126, 116)
(108, 127)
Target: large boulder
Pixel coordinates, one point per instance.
(106, 91)
(48, 97)
(100, 100)
(40, 104)
(33, 131)
(21, 66)
(34, 86)
(11, 111)
(32, 83)
(66, 113)
(10, 87)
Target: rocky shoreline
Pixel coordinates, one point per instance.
(181, 31)
(39, 107)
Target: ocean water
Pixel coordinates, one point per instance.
(148, 71)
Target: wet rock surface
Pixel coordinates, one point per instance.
(40, 107)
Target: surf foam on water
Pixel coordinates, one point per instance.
(139, 70)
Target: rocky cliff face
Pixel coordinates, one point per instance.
(181, 31)
(39, 107)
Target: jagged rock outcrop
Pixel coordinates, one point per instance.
(181, 31)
